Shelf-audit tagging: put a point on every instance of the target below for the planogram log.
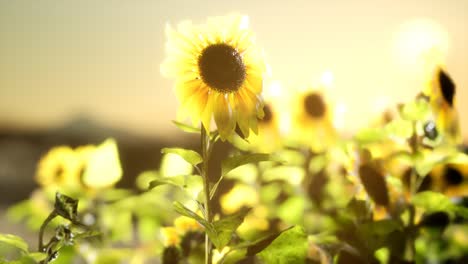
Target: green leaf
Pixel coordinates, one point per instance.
(186, 128)
(15, 241)
(192, 184)
(370, 135)
(374, 183)
(37, 256)
(433, 202)
(188, 155)
(292, 210)
(380, 228)
(259, 245)
(415, 110)
(399, 128)
(235, 161)
(224, 228)
(289, 247)
(66, 207)
(86, 234)
(181, 209)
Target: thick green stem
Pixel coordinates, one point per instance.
(206, 152)
(51, 216)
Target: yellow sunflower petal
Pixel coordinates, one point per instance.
(223, 116)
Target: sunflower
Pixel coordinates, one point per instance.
(269, 137)
(218, 72)
(451, 179)
(58, 169)
(312, 121)
(441, 92)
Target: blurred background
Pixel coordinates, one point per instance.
(77, 72)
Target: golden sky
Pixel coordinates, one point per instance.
(61, 59)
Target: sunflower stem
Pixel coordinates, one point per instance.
(206, 146)
(49, 218)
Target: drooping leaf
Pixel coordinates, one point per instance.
(415, 110)
(360, 209)
(292, 210)
(103, 168)
(188, 155)
(235, 161)
(225, 227)
(432, 201)
(37, 256)
(289, 247)
(15, 241)
(399, 128)
(86, 234)
(181, 209)
(370, 135)
(186, 128)
(259, 245)
(380, 228)
(191, 184)
(66, 207)
(374, 183)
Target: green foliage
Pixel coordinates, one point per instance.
(235, 161)
(289, 247)
(66, 207)
(190, 156)
(220, 231)
(382, 195)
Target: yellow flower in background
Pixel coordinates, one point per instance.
(441, 92)
(185, 224)
(218, 72)
(58, 168)
(239, 196)
(451, 179)
(170, 236)
(66, 169)
(312, 121)
(269, 137)
(103, 167)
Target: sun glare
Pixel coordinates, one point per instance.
(421, 44)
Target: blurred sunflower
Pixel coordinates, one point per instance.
(441, 92)
(269, 137)
(312, 121)
(84, 169)
(58, 169)
(451, 179)
(218, 72)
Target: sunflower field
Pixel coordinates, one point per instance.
(293, 188)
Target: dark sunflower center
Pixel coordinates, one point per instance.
(58, 174)
(452, 176)
(268, 115)
(222, 68)
(314, 105)
(447, 87)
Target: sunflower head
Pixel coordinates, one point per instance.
(441, 91)
(312, 120)
(218, 72)
(269, 138)
(58, 169)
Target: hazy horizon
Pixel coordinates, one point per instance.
(60, 59)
